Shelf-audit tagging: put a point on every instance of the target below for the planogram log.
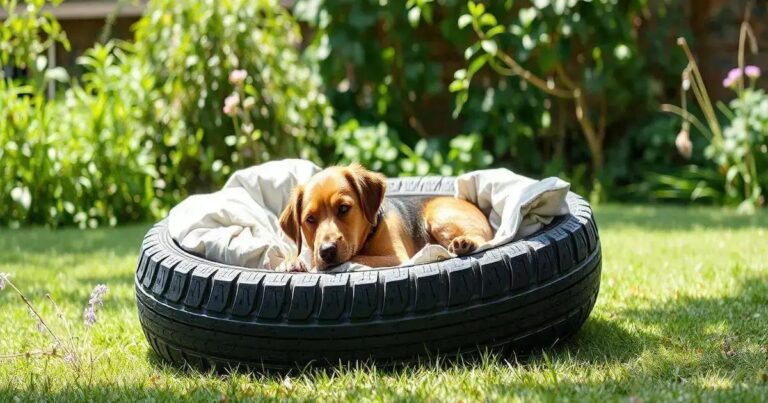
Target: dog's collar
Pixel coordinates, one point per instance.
(379, 217)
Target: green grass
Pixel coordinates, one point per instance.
(682, 314)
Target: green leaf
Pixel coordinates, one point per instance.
(490, 46)
(476, 9)
(57, 74)
(465, 20)
(527, 16)
(499, 29)
(476, 65)
(457, 85)
(414, 15)
(488, 19)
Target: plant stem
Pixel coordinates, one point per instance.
(42, 321)
(687, 117)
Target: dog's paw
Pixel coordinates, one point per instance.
(295, 265)
(463, 245)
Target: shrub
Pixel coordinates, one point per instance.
(392, 62)
(740, 148)
(145, 125)
(190, 48)
(380, 148)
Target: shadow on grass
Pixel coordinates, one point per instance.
(681, 218)
(17, 244)
(655, 353)
(693, 337)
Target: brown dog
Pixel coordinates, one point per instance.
(343, 215)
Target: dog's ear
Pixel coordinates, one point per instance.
(370, 188)
(290, 219)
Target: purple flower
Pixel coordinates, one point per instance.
(96, 300)
(97, 295)
(237, 77)
(90, 315)
(752, 71)
(4, 280)
(230, 104)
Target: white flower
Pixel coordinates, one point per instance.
(683, 144)
(230, 104)
(237, 77)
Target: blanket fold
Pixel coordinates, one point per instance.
(238, 225)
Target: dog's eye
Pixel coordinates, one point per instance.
(310, 219)
(344, 209)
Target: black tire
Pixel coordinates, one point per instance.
(527, 294)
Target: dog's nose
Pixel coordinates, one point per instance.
(328, 252)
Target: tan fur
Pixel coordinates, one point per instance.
(315, 211)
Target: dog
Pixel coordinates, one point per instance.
(342, 215)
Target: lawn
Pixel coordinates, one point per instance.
(682, 314)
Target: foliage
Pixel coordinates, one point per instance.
(28, 34)
(745, 146)
(79, 159)
(63, 343)
(190, 48)
(392, 62)
(145, 125)
(584, 53)
(389, 62)
(740, 150)
(379, 148)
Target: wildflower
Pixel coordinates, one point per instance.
(683, 144)
(96, 300)
(237, 77)
(735, 74)
(97, 295)
(38, 323)
(752, 71)
(4, 280)
(90, 315)
(230, 104)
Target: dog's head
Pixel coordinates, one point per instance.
(335, 212)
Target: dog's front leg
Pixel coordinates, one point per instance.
(377, 261)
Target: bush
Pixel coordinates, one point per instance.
(380, 148)
(145, 126)
(190, 49)
(392, 62)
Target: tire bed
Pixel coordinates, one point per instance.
(527, 294)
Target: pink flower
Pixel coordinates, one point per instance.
(735, 74)
(752, 71)
(230, 104)
(237, 77)
(683, 144)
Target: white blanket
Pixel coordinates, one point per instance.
(239, 225)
